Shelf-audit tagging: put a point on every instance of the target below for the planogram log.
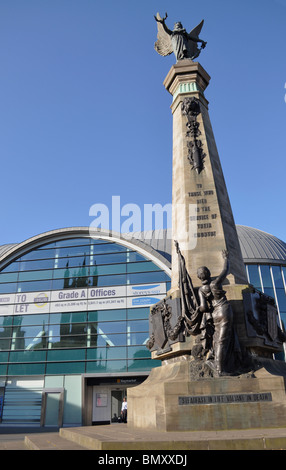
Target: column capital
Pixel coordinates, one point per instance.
(186, 75)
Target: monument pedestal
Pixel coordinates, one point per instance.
(171, 400)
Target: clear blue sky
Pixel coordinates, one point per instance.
(84, 115)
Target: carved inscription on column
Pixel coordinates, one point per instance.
(205, 216)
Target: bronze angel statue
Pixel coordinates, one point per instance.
(183, 44)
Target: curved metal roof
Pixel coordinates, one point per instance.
(260, 247)
(256, 246)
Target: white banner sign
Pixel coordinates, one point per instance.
(92, 298)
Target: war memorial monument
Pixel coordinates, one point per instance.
(215, 335)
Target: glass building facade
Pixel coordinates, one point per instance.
(109, 326)
(76, 306)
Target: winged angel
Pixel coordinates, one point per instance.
(183, 44)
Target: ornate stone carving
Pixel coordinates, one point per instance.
(262, 315)
(165, 325)
(196, 155)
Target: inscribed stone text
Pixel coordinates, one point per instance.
(231, 398)
(204, 212)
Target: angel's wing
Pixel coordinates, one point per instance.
(193, 46)
(163, 45)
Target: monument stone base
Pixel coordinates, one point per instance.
(172, 400)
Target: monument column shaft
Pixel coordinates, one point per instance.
(202, 219)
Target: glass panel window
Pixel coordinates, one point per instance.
(142, 364)
(26, 369)
(107, 315)
(22, 320)
(66, 355)
(4, 356)
(35, 275)
(21, 331)
(35, 265)
(139, 325)
(82, 251)
(266, 277)
(133, 256)
(136, 313)
(136, 352)
(283, 318)
(72, 283)
(27, 356)
(73, 317)
(38, 254)
(5, 331)
(11, 267)
(111, 258)
(111, 340)
(6, 321)
(72, 262)
(34, 286)
(47, 246)
(145, 278)
(5, 343)
(67, 329)
(116, 280)
(107, 248)
(8, 288)
(65, 368)
(141, 267)
(113, 269)
(3, 369)
(109, 327)
(70, 341)
(106, 353)
(73, 241)
(283, 268)
(253, 275)
(277, 276)
(134, 338)
(106, 366)
(269, 291)
(281, 297)
(8, 277)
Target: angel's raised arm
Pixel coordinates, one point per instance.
(162, 21)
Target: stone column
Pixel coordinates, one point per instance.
(202, 219)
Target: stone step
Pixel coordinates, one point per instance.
(13, 445)
(121, 437)
(50, 441)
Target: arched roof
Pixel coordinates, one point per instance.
(256, 246)
(13, 251)
(260, 247)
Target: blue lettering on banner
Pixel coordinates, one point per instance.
(145, 287)
(145, 301)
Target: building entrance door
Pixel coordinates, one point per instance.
(52, 407)
(107, 402)
(103, 397)
(116, 403)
